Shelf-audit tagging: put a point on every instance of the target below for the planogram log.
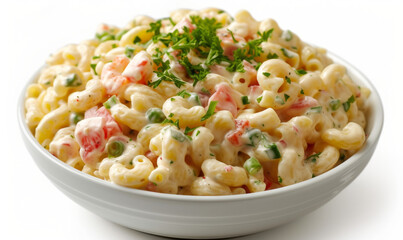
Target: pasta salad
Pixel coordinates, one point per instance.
(198, 103)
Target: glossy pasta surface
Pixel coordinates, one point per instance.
(198, 103)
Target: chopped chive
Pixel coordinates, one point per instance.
(96, 57)
(279, 179)
(288, 79)
(259, 99)
(302, 91)
(183, 94)
(286, 97)
(197, 133)
(171, 115)
(189, 130)
(210, 110)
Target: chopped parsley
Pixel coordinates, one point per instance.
(272, 56)
(300, 72)
(189, 130)
(313, 158)
(245, 100)
(286, 97)
(129, 52)
(183, 94)
(266, 74)
(288, 79)
(137, 39)
(176, 123)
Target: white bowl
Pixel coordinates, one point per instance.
(206, 216)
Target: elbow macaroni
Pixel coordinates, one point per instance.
(199, 103)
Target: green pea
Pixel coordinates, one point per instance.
(116, 148)
(155, 115)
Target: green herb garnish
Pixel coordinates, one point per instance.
(245, 100)
(73, 80)
(252, 165)
(266, 74)
(334, 104)
(210, 110)
(346, 105)
(286, 53)
(300, 72)
(111, 102)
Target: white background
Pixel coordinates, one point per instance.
(368, 34)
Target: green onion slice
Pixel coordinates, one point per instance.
(252, 165)
(111, 102)
(73, 80)
(272, 151)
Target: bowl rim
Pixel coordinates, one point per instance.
(371, 141)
